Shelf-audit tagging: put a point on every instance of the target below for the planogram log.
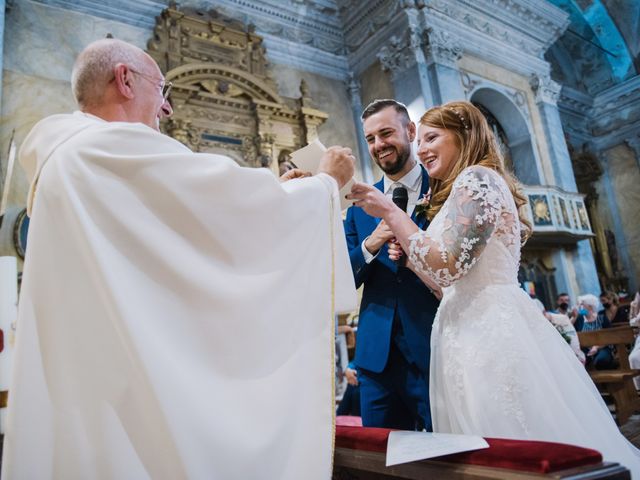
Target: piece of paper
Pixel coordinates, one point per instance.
(404, 447)
(308, 159)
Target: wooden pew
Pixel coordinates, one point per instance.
(618, 382)
(360, 455)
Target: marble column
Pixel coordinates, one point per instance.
(353, 87)
(442, 53)
(409, 73)
(546, 94)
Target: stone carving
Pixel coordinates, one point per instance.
(586, 167)
(364, 19)
(397, 55)
(442, 47)
(468, 83)
(545, 89)
(224, 101)
(353, 86)
(494, 29)
(182, 130)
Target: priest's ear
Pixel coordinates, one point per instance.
(123, 79)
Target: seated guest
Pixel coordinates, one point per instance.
(350, 403)
(600, 356)
(563, 306)
(612, 309)
(634, 321)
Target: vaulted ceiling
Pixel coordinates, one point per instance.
(601, 46)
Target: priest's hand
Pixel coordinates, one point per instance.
(293, 173)
(339, 163)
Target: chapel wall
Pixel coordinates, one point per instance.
(619, 192)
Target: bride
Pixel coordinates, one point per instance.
(498, 366)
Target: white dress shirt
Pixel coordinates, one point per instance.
(412, 181)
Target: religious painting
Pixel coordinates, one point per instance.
(563, 212)
(540, 208)
(584, 218)
(576, 218)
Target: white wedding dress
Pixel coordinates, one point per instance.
(498, 367)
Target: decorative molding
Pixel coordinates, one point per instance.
(140, 14)
(545, 89)
(315, 36)
(518, 23)
(472, 82)
(442, 47)
(619, 96)
(397, 55)
(575, 101)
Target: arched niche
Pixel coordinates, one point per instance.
(520, 142)
(223, 97)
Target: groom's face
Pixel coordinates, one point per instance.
(389, 137)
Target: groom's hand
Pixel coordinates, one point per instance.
(381, 235)
(339, 163)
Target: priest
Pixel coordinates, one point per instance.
(176, 313)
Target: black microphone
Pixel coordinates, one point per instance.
(400, 197)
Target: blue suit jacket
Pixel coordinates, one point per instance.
(388, 291)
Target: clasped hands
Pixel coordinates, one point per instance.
(376, 204)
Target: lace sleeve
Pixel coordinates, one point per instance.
(461, 230)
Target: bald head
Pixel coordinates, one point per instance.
(94, 68)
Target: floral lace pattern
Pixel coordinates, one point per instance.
(479, 208)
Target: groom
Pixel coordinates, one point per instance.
(397, 309)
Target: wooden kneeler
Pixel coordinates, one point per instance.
(360, 455)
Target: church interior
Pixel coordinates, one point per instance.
(557, 80)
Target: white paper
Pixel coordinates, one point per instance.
(404, 447)
(308, 159)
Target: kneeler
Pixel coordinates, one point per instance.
(360, 455)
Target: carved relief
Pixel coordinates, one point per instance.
(223, 98)
(397, 55)
(442, 47)
(545, 89)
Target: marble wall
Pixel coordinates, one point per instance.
(40, 46)
(328, 95)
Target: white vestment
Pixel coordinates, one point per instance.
(176, 313)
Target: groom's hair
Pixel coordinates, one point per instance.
(380, 104)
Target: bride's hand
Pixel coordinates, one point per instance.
(370, 199)
(395, 250)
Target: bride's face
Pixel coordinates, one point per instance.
(437, 150)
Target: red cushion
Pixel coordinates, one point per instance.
(523, 455)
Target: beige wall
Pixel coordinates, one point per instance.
(41, 44)
(326, 94)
